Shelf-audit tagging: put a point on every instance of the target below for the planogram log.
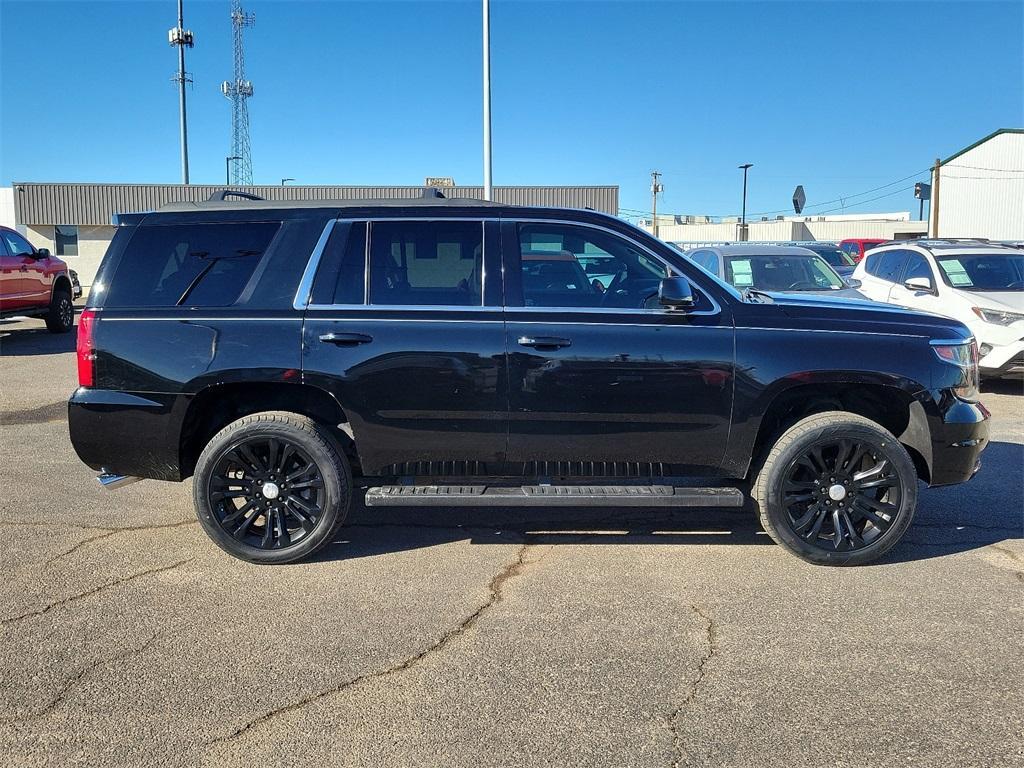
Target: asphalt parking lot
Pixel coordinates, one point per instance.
(527, 637)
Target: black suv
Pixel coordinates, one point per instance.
(455, 352)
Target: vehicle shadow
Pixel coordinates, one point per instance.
(1010, 385)
(29, 338)
(961, 518)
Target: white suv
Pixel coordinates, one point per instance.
(978, 283)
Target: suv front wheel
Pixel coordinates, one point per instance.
(836, 489)
(272, 487)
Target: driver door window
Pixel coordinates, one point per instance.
(568, 266)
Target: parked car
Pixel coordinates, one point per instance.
(447, 353)
(981, 284)
(780, 268)
(842, 262)
(856, 247)
(34, 283)
(76, 286)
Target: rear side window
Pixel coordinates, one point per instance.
(435, 263)
(190, 265)
(885, 265)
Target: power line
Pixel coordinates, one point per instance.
(980, 168)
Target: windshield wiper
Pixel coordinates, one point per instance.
(755, 296)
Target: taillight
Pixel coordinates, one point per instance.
(85, 350)
(964, 355)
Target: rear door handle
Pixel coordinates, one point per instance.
(544, 342)
(345, 339)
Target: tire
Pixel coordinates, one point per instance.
(61, 317)
(272, 488)
(836, 489)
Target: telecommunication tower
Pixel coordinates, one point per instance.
(182, 38)
(238, 91)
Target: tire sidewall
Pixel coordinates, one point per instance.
(777, 515)
(54, 321)
(337, 489)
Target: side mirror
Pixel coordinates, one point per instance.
(918, 284)
(676, 293)
(853, 282)
(42, 253)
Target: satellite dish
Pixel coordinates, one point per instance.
(799, 198)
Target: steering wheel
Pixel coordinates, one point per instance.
(614, 287)
(799, 286)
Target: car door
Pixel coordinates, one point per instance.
(916, 265)
(31, 281)
(405, 328)
(606, 382)
(881, 271)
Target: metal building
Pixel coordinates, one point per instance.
(979, 191)
(74, 220)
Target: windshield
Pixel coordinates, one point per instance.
(835, 257)
(983, 271)
(782, 273)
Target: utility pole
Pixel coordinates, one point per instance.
(656, 187)
(227, 168)
(743, 216)
(933, 203)
(181, 37)
(285, 181)
(488, 188)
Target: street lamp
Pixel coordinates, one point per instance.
(227, 167)
(285, 180)
(743, 217)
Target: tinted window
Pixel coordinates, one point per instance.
(708, 260)
(16, 244)
(65, 239)
(193, 265)
(781, 273)
(885, 265)
(851, 249)
(426, 263)
(341, 278)
(917, 266)
(567, 266)
(835, 257)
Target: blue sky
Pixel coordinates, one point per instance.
(841, 97)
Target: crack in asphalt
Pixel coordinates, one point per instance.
(113, 532)
(75, 679)
(495, 588)
(712, 650)
(89, 593)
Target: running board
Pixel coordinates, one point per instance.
(551, 496)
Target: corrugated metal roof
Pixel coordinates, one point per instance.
(40, 204)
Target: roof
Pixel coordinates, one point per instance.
(746, 249)
(979, 142)
(404, 202)
(965, 244)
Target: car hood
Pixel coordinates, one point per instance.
(839, 313)
(1007, 301)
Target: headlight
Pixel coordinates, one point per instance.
(965, 356)
(996, 316)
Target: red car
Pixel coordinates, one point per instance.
(32, 282)
(858, 246)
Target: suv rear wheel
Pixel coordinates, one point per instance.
(61, 317)
(836, 489)
(272, 487)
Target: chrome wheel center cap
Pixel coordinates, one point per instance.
(270, 490)
(836, 492)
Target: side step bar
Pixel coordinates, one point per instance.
(551, 496)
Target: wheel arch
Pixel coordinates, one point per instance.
(63, 283)
(892, 403)
(216, 406)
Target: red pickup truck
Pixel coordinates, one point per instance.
(32, 282)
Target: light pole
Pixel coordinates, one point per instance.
(227, 168)
(488, 189)
(283, 181)
(743, 217)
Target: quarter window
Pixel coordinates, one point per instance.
(434, 263)
(193, 265)
(885, 265)
(567, 266)
(65, 239)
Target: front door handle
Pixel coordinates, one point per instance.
(345, 339)
(544, 342)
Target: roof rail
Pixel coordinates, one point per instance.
(432, 192)
(224, 194)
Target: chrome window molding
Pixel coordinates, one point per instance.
(305, 289)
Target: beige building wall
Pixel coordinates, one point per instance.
(92, 245)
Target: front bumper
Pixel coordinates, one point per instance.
(958, 436)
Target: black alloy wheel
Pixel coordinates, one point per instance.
(267, 492)
(841, 494)
(61, 317)
(272, 487)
